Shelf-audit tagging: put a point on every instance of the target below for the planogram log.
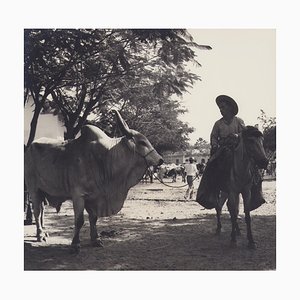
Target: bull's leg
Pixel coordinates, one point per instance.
(42, 219)
(95, 238)
(220, 203)
(38, 212)
(27, 208)
(78, 205)
(233, 203)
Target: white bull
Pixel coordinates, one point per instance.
(94, 171)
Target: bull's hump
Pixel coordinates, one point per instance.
(92, 133)
(46, 140)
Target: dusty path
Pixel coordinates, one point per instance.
(156, 230)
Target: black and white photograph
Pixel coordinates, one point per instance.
(149, 149)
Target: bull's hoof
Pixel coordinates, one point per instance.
(97, 243)
(75, 249)
(252, 246)
(28, 222)
(42, 238)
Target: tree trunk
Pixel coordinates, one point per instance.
(33, 124)
(70, 135)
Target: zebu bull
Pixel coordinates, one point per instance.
(94, 171)
(248, 154)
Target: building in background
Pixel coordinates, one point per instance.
(182, 157)
(48, 125)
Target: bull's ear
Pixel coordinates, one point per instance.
(122, 124)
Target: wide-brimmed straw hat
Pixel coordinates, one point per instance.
(223, 98)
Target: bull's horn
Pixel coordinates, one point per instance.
(123, 126)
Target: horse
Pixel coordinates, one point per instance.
(248, 155)
(231, 173)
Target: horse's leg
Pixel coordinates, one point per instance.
(237, 229)
(42, 214)
(251, 242)
(233, 202)
(220, 203)
(95, 239)
(78, 205)
(247, 199)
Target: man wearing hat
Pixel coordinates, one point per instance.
(223, 139)
(228, 125)
(191, 173)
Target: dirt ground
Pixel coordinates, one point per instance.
(156, 230)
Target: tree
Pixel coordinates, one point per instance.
(160, 124)
(79, 72)
(50, 56)
(203, 146)
(268, 125)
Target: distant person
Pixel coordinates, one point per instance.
(151, 172)
(201, 166)
(161, 170)
(184, 171)
(191, 173)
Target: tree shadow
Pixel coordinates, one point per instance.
(155, 244)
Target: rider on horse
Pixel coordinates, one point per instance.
(223, 139)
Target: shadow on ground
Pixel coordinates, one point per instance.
(146, 244)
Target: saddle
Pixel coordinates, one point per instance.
(217, 173)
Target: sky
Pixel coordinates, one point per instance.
(242, 65)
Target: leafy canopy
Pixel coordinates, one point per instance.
(79, 73)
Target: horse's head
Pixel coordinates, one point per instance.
(253, 140)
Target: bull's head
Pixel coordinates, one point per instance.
(138, 143)
(253, 140)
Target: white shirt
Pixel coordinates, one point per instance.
(191, 169)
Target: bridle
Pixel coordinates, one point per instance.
(144, 156)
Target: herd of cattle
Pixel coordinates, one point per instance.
(95, 171)
(170, 171)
